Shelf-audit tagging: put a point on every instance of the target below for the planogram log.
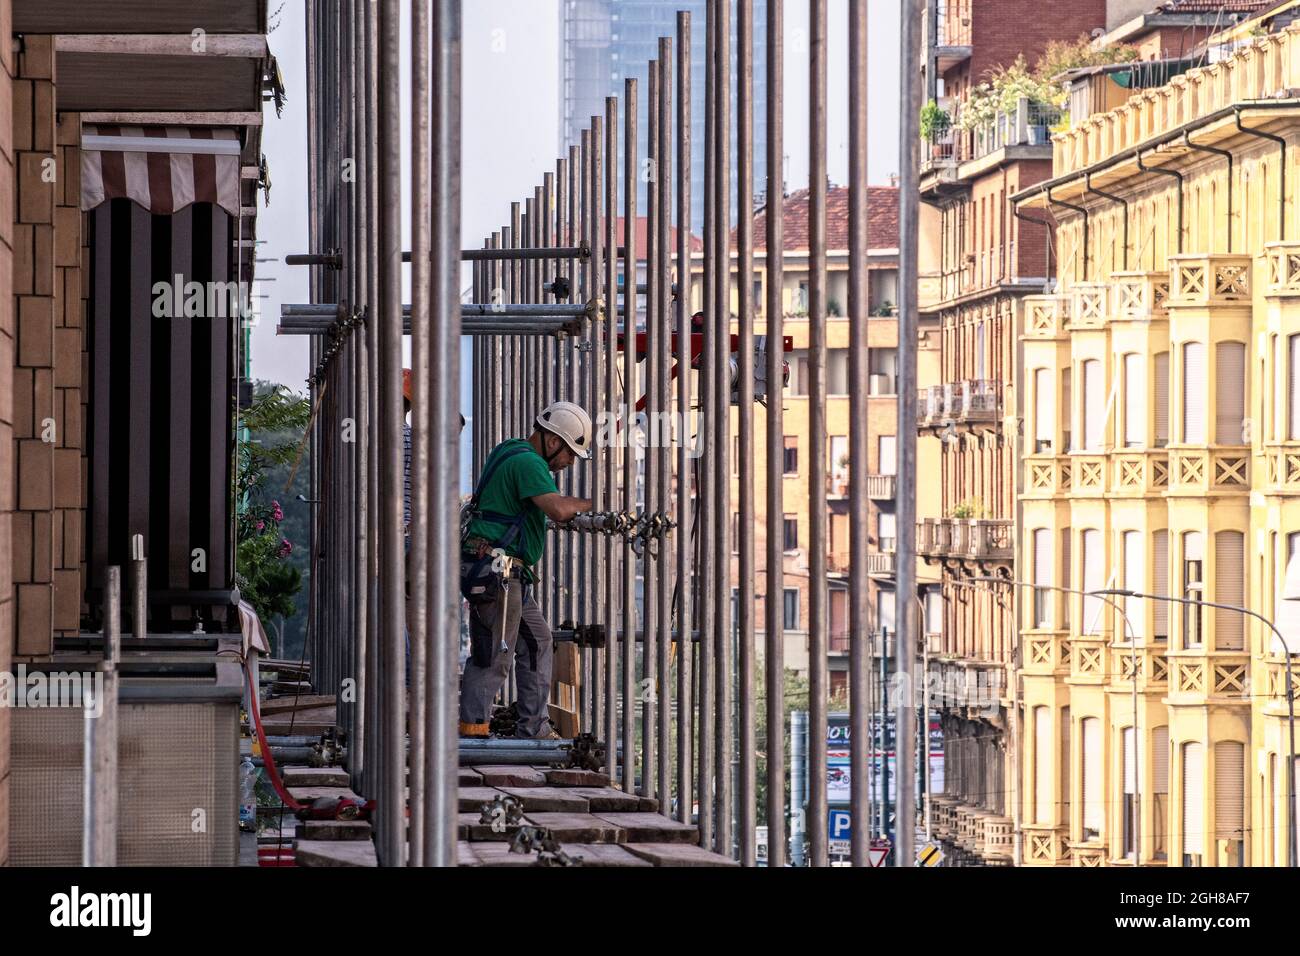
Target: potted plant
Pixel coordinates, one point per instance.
(935, 121)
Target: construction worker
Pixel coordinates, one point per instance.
(502, 543)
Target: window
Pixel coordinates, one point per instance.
(1067, 577)
(934, 611)
(837, 372)
(1229, 588)
(790, 610)
(1230, 802)
(979, 352)
(735, 611)
(1128, 793)
(1042, 792)
(882, 367)
(1161, 388)
(1193, 561)
(791, 524)
(1067, 410)
(735, 532)
(1193, 393)
(888, 528)
(1135, 401)
(1193, 804)
(887, 455)
(1160, 793)
(1044, 411)
(1292, 391)
(1160, 584)
(800, 381)
(735, 455)
(791, 458)
(1094, 807)
(1043, 555)
(1093, 571)
(1230, 393)
(885, 613)
(1135, 566)
(1094, 405)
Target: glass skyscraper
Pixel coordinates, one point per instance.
(606, 41)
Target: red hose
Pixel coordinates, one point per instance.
(267, 759)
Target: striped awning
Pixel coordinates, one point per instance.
(163, 168)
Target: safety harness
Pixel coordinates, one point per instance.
(477, 582)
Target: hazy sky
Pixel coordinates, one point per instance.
(510, 110)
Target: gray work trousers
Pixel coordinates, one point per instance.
(527, 638)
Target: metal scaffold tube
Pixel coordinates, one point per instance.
(629, 455)
(815, 820)
(745, 663)
(685, 726)
(418, 605)
(609, 454)
(859, 634)
(650, 568)
(704, 582)
(720, 594)
(392, 684)
(909, 156)
(599, 400)
(774, 631)
(663, 429)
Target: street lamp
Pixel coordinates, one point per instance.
(1132, 643)
(1292, 586)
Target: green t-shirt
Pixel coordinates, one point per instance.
(522, 476)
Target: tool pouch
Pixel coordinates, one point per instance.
(479, 584)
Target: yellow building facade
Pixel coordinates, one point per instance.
(1160, 448)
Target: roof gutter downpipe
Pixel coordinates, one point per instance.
(1082, 211)
(1281, 194)
(1088, 188)
(1226, 154)
(1137, 154)
(1047, 246)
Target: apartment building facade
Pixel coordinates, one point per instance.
(978, 261)
(1161, 434)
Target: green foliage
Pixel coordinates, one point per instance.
(268, 575)
(1062, 55)
(934, 120)
(970, 508)
(795, 688)
(833, 307)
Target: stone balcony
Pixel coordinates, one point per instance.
(966, 405)
(1139, 473)
(1206, 279)
(1199, 677)
(1046, 845)
(882, 487)
(1283, 269)
(1087, 474)
(1275, 686)
(1088, 658)
(1046, 653)
(881, 564)
(1091, 306)
(1047, 476)
(1282, 467)
(1046, 316)
(1152, 664)
(1200, 471)
(979, 540)
(1140, 296)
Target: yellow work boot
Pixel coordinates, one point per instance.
(474, 730)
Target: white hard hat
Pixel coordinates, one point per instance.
(571, 423)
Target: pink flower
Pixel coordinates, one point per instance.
(285, 548)
(276, 511)
(261, 525)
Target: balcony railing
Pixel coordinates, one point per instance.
(881, 563)
(837, 562)
(837, 484)
(972, 539)
(838, 642)
(1029, 124)
(970, 402)
(881, 487)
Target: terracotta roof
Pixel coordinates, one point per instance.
(642, 227)
(882, 219)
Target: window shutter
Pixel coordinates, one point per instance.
(1067, 576)
(1092, 580)
(1229, 790)
(1043, 555)
(1230, 392)
(1293, 387)
(1093, 805)
(889, 454)
(1160, 760)
(1193, 799)
(1066, 765)
(885, 601)
(1042, 765)
(1130, 762)
(1067, 411)
(1094, 405)
(1160, 582)
(1135, 401)
(1193, 393)
(1134, 565)
(1161, 389)
(1045, 406)
(1229, 588)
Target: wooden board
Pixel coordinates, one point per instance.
(566, 721)
(511, 777)
(284, 705)
(651, 828)
(471, 799)
(579, 828)
(335, 853)
(314, 777)
(677, 854)
(607, 798)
